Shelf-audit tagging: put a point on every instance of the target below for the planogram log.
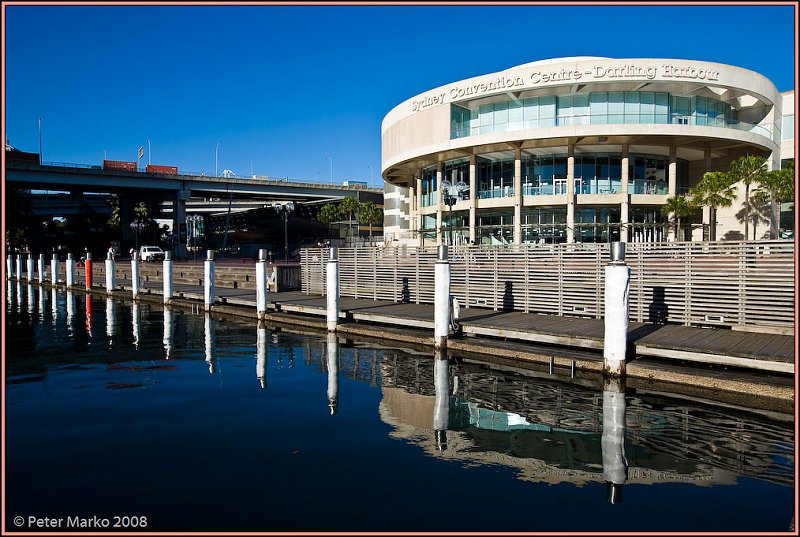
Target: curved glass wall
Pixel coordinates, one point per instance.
(429, 186)
(597, 224)
(495, 227)
(495, 178)
(596, 108)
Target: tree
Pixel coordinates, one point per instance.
(747, 169)
(371, 214)
(714, 190)
(348, 208)
(328, 214)
(776, 186)
(680, 207)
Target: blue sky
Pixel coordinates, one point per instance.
(285, 86)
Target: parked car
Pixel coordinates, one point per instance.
(151, 253)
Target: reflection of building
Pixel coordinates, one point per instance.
(577, 149)
(552, 432)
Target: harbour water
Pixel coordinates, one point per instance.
(181, 421)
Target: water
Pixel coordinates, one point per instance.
(214, 424)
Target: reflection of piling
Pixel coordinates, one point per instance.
(110, 275)
(54, 270)
(209, 340)
(333, 372)
(167, 277)
(261, 284)
(88, 270)
(9, 264)
(261, 352)
(169, 316)
(70, 271)
(30, 268)
(332, 289)
(615, 466)
(441, 299)
(617, 307)
(136, 323)
(208, 280)
(111, 318)
(135, 275)
(441, 407)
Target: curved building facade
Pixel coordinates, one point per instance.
(576, 150)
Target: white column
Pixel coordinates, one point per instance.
(518, 196)
(54, 269)
(612, 442)
(571, 193)
(333, 372)
(617, 308)
(41, 269)
(167, 277)
(624, 231)
(261, 284)
(30, 268)
(332, 289)
(439, 202)
(9, 266)
(208, 280)
(473, 198)
(135, 275)
(70, 268)
(110, 273)
(19, 267)
(441, 298)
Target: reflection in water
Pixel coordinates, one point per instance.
(111, 319)
(209, 338)
(31, 298)
(54, 306)
(19, 296)
(615, 467)
(441, 407)
(71, 313)
(88, 299)
(332, 352)
(261, 354)
(42, 301)
(169, 330)
(136, 323)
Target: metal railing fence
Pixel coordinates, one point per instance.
(735, 284)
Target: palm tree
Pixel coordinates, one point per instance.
(776, 186)
(328, 214)
(679, 206)
(747, 169)
(714, 190)
(371, 214)
(348, 207)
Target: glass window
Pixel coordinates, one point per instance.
(515, 115)
(598, 108)
(500, 113)
(787, 127)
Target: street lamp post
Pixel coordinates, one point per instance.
(330, 159)
(216, 159)
(451, 193)
(284, 210)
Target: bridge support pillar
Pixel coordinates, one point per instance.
(179, 249)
